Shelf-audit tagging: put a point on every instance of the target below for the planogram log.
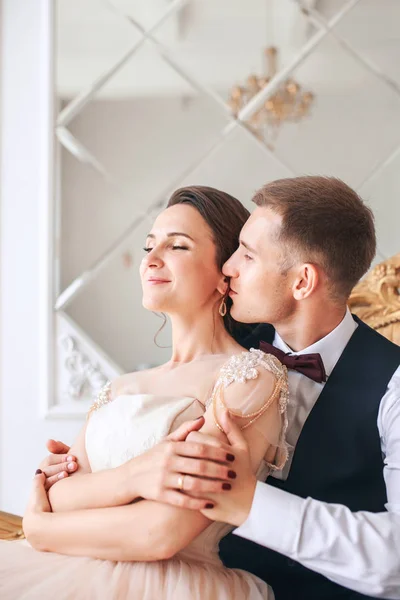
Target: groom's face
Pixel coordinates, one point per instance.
(260, 286)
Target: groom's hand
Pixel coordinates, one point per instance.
(58, 464)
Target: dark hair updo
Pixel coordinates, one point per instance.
(225, 216)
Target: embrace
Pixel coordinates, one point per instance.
(262, 460)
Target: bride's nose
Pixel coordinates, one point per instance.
(154, 259)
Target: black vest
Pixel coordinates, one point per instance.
(337, 459)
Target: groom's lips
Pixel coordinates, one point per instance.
(232, 292)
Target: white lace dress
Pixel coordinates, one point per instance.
(117, 431)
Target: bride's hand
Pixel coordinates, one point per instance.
(38, 504)
(38, 500)
(58, 464)
(172, 469)
(234, 508)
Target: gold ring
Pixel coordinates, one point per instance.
(180, 482)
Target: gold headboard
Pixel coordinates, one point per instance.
(376, 299)
(10, 527)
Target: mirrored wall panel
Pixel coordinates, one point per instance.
(155, 95)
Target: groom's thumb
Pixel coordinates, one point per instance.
(232, 431)
(183, 431)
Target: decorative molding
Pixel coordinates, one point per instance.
(81, 368)
(47, 378)
(59, 383)
(85, 375)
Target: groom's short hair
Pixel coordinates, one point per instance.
(326, 222)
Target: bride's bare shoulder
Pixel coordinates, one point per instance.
(124, 384)
(131, 383)
(197, 376)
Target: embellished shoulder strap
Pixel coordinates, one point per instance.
(242, 367)
(103, 397)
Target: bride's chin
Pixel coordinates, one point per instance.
(153, 306)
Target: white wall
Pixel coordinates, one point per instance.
(1, 114)
(24, 121)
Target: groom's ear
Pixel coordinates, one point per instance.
(306, 281)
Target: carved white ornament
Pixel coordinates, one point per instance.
(85, 377)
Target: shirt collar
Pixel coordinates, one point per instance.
(329, 347)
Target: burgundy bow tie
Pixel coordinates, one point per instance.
(310, 365)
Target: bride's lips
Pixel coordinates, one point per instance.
(157, 280)
(232, 292)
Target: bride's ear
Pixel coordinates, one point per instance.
(223, 285)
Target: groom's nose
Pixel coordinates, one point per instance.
(229, 269)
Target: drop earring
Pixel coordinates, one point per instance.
(222, 308)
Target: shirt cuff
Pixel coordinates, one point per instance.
(274, 520)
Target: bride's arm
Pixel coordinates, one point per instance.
(84, 489)
(145, 531)
(145, 476)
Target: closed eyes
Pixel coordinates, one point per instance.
(172, 248)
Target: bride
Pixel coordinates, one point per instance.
(85, 541)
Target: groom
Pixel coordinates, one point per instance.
(327, 526)
(331, 519)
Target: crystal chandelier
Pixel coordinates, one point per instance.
(289, 103)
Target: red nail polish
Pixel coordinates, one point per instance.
(209, 505)
(38, 471)
(226, 486)
(232, 474)
(230, 457)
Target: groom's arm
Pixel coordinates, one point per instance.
(360, 550)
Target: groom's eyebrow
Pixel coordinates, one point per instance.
(249, 248)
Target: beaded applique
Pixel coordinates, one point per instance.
(103, 397)
(243, 367)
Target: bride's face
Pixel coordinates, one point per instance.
(179, 272)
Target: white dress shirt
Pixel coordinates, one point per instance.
(360, 550)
